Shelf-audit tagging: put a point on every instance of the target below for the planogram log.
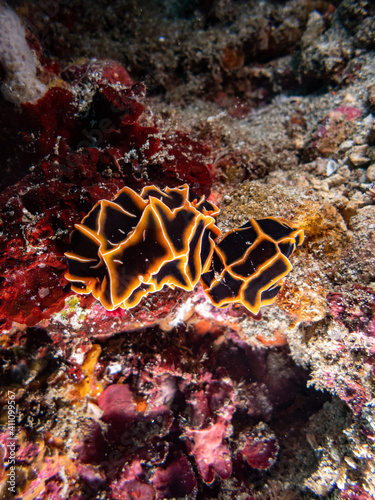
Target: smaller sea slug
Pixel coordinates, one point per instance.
(248, 263)
(136, 244)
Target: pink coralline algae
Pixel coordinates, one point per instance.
(175, 427)
(173, 414)
(353, 308)
(333, 130)
(175, 479)
(131, 437)
(259, 447)
(127, 427)
(78, 152)
(210, 451)
(37, 473)
(209, 427)
(127, 490)
(355, 492)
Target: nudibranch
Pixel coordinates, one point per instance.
(136, 244)
(249, 263)
(132, 246)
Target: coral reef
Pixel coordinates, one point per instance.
(266, 110)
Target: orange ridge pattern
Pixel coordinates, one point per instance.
(249, 263)
(136, 244)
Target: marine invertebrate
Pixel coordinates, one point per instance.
(105, 148)
(248, 263)
(18, 60)
(132, 246)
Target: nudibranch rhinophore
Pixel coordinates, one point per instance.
(136, 244)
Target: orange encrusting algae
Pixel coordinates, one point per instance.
(89, 385)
